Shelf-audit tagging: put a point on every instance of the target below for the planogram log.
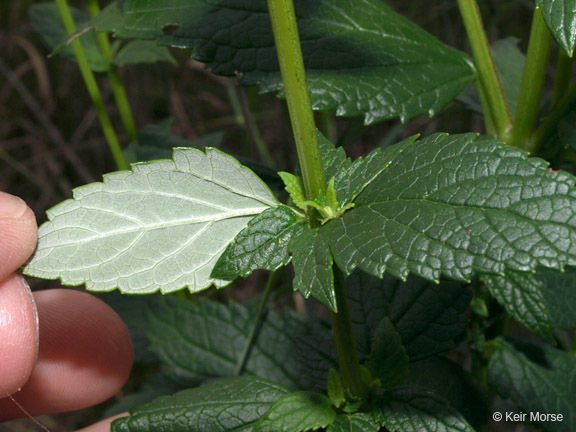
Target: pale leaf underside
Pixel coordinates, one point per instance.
(161, 226)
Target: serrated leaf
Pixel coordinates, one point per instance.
(161, 226)
(223, 405)
(388, 360)
(455, 206)
(358, 422)
(408, 410)
(295, 188)
(560, 17)
(361, 58)
(520, 294)
(559, 290)
(201, 340)
(449, 381)
(312, 261)
(47, 22)
(263, 244)
(297, 412)
(350, 178)
(335, 389)
(538, 379)
(138, 52)
(428, 317)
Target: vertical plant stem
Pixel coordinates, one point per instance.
(548, 125)
(260, 314)
(344, 337)
(564, 67)
(118, 89)
(287, 42)
(497, 108)
(92, 87)
(532, 83)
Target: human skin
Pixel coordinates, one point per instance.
(60, 350)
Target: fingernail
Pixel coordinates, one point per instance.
(11, 207)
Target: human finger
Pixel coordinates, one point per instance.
(84, 358)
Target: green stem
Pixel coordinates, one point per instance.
(564, 66)
(272, 279)
(498, 113)
(92, 87)
(344, 336)
(118, 89)
(532, 84)
(287, 42)
(549, 124)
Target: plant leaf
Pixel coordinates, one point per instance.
(408, 410)
(350, 178)
(560, 17)
(161, 226)
(559, 290)
(47, 22)
(358, 422)
(313, 267)
(449, 381)
(137, 52)
(222, 405)
(428, 317)
(202, 340)
(538, 379)
(388, 361)
(454, 206)
(361, 58)
(297, 412)
(520, 294)
(262, 244)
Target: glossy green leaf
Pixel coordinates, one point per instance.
(358, 422)
(538, 379)
(297, 412)
(263, 244)
(388, 360)
(47, 22)
(408, 410)
(335, 389)
(510, 62)
(361, 58)
(223, 405)
(161, 226)
(350, 178)
(313, 267)
(520, 294)
(137, 52)
(559, 290)
(428, 316)
(455, 206)
(560, 17)
(201, 340)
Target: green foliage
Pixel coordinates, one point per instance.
(362, 59)
(226, 404)
(213, 197)
(405, 410)
(454, 206)
(560, 18)
(538, 379)
(297, 412)
(394, 244)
